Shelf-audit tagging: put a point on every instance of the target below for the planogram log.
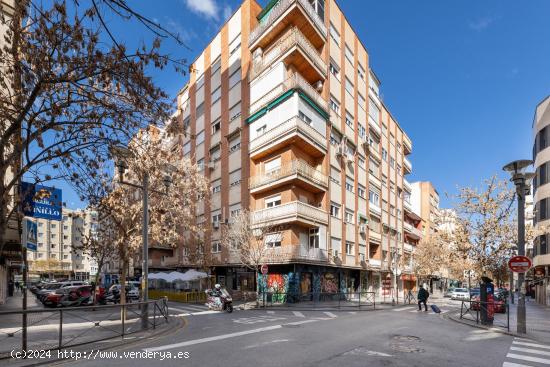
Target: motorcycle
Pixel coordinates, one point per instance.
(222, 303)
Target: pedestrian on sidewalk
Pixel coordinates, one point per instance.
(422, 297)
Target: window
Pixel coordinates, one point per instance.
(187, 148)
(374, 198)
(200, 164)
(261, 130)
(335, 175)
(349, 184)
(65, 228)
(319, 7)
(348, 53)
(349, 86)
(235, 78)
(334, 70)
(235, 112)
(349, 248)
(40, 255)
(215, 154)
(216, 95)
(362, 130)
(65, 237)
(361, 191)
(235, 144)
(374, 111)
(360, 72)
(361, 162)
(334, 105)
(392, 162)
(334, 34)
(200, 81)
(349, 216)
(304, 117)
(335, 210)
(216, 65)
(392, 210)
(235, 178)
(53, 256)
(200, 138)
(200, 110)
(399, 171)
(40, 234)
(314, 238)
(273, 166)
(216, 186)
(384, 154)
(216, 247)
(216, 126)
(65, 256)
(40, 224)
(273, 240)
(273, 201)
(53, 235)
(217, 218)
(361, 101)
(349, 119)
(65, 218)
(336, 244)
(234, 210)
(542, 213)
(334, 139)
(236, 48)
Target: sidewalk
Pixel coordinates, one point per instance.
(15, 303)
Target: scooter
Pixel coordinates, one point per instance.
(222, 303)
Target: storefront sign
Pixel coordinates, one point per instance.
(41, 201)
(540, 272)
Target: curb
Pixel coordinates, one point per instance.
(170, 328)
(497, 330)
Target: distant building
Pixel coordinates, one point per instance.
(425, 202)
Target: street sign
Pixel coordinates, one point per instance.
(519, 264)
(264, 269)
(41, 201)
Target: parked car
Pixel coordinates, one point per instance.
(474, 292)
(460, 293)
(449, 292)
(499, 303)
(76, 296)
(132, 293)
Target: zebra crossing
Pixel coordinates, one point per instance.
(189, 310)
(414, 309)
(527, 353)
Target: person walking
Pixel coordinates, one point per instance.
(422, 297)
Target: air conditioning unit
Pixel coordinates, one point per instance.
(319, 86)
(216, 225)
(211, 165)
(363, 228)
(340, 151)
(366, 145)
(350, 158)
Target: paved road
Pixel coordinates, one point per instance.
(393, 337)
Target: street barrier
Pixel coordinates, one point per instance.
(322, 300)
(52, 329)
(184, 297)
(471, 310)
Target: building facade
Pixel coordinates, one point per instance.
(56, 257)
(425, 202)
(284, 113)
(541, 199)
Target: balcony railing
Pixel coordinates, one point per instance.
(407, 164)
(291, 253)
(407, 142)
(296, 167)
(294, 125)
(407, 186)
(292, 38)
(290, 212)
(408, 247)
(295, 81)
(279, 10)
(375, 263)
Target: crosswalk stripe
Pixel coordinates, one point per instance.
(528, 358)
(529, 350)
(403, 309)
(270, 312)
(330, 314)
(298, 314)
(531, 344)
(510, 364)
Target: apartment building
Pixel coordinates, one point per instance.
(284, 113)
(425, 202)
(541, 157)
(55, 257)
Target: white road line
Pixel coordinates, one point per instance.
(529, 350)
(510, 364)
(413, 311)
(270, 312)
(213, 338)
(528, 358)
(352, 312)
(330, 314)
(298, 314)
(442, 312)
(205, 312)
(402, 309)
(302, 322)
(531, 344)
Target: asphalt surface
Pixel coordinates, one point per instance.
(285, 337)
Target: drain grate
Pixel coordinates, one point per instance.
(406, 344)
(406, 338)
(406, 348)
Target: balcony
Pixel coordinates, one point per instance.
(407, 186)
(295, 171)
(375, 180)
(350, 260)
(294, 82)
(408, 247)
(375, 209)
(375, 126)
(285, 13)
(407, 144)
(407, 165)
(293, 253)
(293, 131)
(375, 263)
(412, 231)
(294, 49)
(374, 152)
(295, 211)
(375, 236)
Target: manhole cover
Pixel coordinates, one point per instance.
(406, 337)
(406, 348)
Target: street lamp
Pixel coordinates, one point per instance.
(514, 252)
(522, 180)
(396, 273)
(122, 154)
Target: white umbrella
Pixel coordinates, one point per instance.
(192, 274)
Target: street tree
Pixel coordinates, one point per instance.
(68, 90)
(431, 257)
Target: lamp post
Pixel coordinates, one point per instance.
(395, 254)
(521, 179)
(122, 154)
(514, 252)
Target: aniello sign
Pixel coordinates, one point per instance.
(41, 201)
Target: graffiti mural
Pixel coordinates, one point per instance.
(316, 283)
(329, 283)
(305, 283)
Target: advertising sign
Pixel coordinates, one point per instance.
(30, 234)
(41, 201)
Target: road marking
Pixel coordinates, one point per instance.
(529, 350)
(302, 322)
(531, 344)
(352, 312)
(270, 312)
(298, 314)
(413, 311)
(330, 314)
(442, 312)
(528, 358)
(266, 343)
(402, 309)
(213, 338)
(510, 364)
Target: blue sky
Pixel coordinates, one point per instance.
(461, 77)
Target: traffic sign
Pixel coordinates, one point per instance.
(519, 264)
(264, 269)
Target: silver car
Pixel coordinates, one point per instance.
(461, 293)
